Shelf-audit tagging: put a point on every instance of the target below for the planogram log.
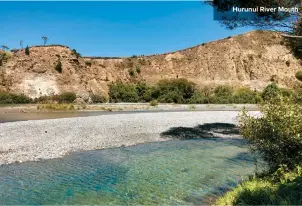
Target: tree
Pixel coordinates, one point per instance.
(5, 47)
(27, 50)
(21, 44)
(45, 39)
(282, 21)
(288, 23)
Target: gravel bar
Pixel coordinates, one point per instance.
(36, 140)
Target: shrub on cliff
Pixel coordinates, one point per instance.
(131, 72)
(27, 50)
(299, 75)
(74, 52)
(58, 67)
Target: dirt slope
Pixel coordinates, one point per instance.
(250, 59)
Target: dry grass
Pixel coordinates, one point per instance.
(56, 107)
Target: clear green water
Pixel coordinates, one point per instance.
(174, 172)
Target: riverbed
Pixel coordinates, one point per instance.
(36, 140)
(186, 172)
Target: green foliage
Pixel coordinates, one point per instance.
(276, 134)
(222, 95)
(74, 52)
(246, 96)
(298, 95)
(122, 92)
(175, 90)
(144, 92)
(4, 56)
(299, 75)
(154, 103)
(10, 98)
(131, 72)
(182, 91)
(58, 67)
(67, 97)
(138, 70)
(27, 50)
(281, 188)
(98, 98)
(198, 98)
(88, 63)
(271, 91)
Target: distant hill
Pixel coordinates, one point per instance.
(250, 59)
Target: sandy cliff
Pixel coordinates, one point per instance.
(250, 59)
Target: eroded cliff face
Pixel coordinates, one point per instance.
(250, 59)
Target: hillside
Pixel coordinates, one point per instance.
(250, 59)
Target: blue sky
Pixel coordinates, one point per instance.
(111, 28)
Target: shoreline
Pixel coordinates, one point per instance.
(27, 108)
(36, 140)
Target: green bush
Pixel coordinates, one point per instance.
(122, 92)
(88, 63)
(281, 188)
(144, 92)
(270, 92)
(175, 90)
(98, 98)
(67, 97)
(198, 98)
(138, 70)
(27, 50)
(277, 134)
(222, 95)
(153, 103)
(74, 52)
(10, 98)
(246, 96)
(131, 72)
(299, 75)
(4, 56)
(298, 95)
(171, 97)
(59, 67)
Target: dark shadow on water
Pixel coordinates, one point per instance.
(201, 131)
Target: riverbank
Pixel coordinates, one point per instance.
(28, 108)
(35, 140)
